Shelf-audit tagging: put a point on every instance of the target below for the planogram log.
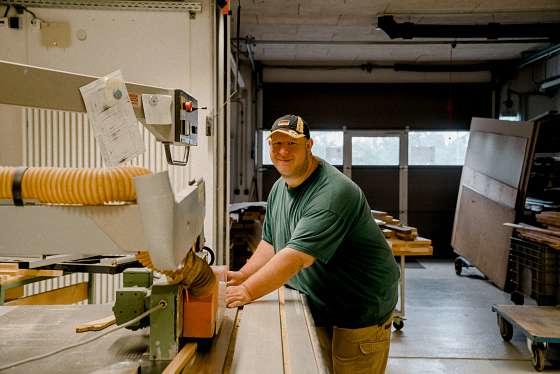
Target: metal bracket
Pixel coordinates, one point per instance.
(169, 156)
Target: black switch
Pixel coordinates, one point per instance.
(193, 129)
(14, 22)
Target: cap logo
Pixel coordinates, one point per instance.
(299, 127)
(283, 123)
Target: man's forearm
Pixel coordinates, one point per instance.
(262, 255)
(274, 273)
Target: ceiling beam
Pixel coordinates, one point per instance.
(250, 40)
(409, 30)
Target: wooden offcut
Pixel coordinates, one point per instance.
(96, 325)
(549, 218)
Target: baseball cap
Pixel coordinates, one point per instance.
(292, 125)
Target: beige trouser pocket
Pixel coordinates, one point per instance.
(363, 350)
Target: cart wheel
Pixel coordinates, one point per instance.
(458, 266)
(517, 298)
(398, 324)
(539, 353)
(506, 329)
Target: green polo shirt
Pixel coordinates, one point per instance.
(353, 281)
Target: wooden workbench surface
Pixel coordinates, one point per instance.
(417, 247)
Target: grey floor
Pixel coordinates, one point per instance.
(450, 326)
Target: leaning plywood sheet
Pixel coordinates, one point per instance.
(481, 236)
(492, 179)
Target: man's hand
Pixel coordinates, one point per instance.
(237, 296)
(235, 278)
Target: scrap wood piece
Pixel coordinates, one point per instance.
(96, 325)
(181, 359)
(388, 233)
(549, 240)
(525, 227)
(378, 214)
(549, 218)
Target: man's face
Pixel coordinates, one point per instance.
(289, 155)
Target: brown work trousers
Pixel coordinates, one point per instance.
(356, 351)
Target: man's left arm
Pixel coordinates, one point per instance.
(281, 267)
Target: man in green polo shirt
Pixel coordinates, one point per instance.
(319, 237)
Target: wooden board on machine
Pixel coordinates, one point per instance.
(392, 228)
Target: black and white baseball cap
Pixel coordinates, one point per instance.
(292, 125)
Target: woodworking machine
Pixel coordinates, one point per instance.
(166, 225)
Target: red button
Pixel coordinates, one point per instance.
(187, 105)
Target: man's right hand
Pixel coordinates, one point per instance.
(235, 278)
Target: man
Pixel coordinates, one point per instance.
(320, 237)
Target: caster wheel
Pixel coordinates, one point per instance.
(517, 298)
(398, 324)
(506, 329)
(539, 353)
(458, 266)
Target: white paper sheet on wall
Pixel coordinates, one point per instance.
(112, 118)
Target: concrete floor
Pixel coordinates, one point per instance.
(450, 326)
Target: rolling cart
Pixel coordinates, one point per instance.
(402, 248)
(540, 324)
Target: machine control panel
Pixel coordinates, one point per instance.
(186, 119)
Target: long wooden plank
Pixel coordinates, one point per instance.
(299, 345)
(181, 359)
(284, 331)
(321, 359)
(216, 358)
(258, 347)
(524, 226)
(65, 295)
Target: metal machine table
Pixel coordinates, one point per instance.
(541, 325)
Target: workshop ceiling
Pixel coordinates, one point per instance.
(320, 32)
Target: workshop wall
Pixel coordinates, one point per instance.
(161, 48)
(379, 106)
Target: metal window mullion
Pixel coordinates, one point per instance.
(403, 176)
(347, 152)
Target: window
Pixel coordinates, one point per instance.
(437, 147)
(327, 145)
(375, 150)
(513, 117)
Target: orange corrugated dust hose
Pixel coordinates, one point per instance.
(73, 185)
